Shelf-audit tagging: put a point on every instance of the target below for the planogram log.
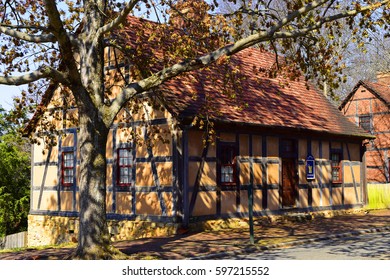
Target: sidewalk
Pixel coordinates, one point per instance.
(207, 245)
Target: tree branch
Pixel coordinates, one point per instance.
(320, 23)
(121, 18)
(10, 31)
(41, 73)
(64, 40)
(143, 86)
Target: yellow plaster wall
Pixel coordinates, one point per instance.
(195, 143)
(325, 197)
(168, 200)
(303, 198)
(162, 147)
(68, 140)
(228, 202)
(257, 201)
(273, 199)
(109, 175)
(123, 135)
(350, 195)
(325, 150)
(244, 173)
(337, 196)
(302, 149)
(257, 145)
(354, 152)
(244, 145)
(71, 118)
(208, 177)
(347, 173)
(123, 203)
(227, 137)
(40, 153)
(164, 172)
(109, 151)
(49, 200)
(66, 200)
(144, 174)
(326, 173)
(302, 174)
(272, 146)
(78, 201)
(147, 204)
(316, 195)
(257, 173)
(315, 149)
(206, 203)
(51, 179)
(273, 173)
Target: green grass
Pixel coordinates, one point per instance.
(378, 196)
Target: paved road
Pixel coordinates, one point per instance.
(374, 246)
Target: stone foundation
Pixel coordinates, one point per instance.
(52, 230)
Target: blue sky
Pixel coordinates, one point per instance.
(7, 93)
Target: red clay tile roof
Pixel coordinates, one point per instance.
(270, 104)
(381, 91)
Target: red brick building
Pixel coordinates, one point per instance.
(368, 106)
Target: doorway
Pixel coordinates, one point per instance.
(289, 183)
(289, 191)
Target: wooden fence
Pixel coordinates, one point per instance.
(17, 240)
(378, 196)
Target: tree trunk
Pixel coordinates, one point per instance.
(93, 233)
(94, 239)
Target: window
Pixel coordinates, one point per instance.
(67, 169)
(227, 158)
(125, 165)
(365, 123)
(336, 167)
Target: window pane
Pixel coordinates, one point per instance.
(67, 169)
(68, 159)
(227, 157)
(124, 166)
(125, 157)
(227, 175)
(68, 176)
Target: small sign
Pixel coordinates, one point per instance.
(310, 167)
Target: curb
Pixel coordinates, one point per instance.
(255, 248)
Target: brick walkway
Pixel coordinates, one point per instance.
(207, 244)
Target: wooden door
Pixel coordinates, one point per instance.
(289, 183)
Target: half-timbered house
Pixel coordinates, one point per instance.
(368, 106)
(282, 141)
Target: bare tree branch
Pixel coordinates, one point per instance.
(320, 23)
(10, 31)
(64, 40)
(41, 73)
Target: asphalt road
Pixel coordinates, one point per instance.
(375, 246)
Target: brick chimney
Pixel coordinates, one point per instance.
(383, 77)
